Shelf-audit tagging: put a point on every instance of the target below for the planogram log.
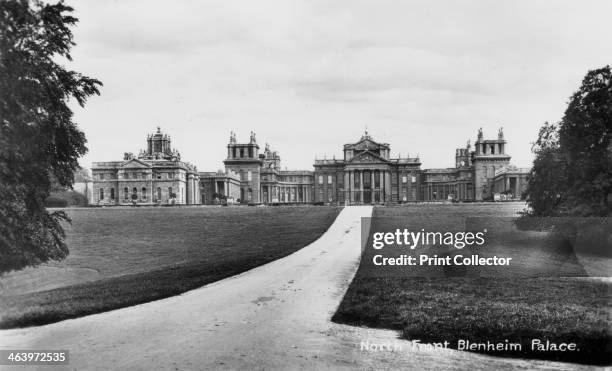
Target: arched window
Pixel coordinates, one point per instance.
(101, 194)
(134, 193)
(170, 193)
(144, 193)
(112, 193)
(126, 193)
(159, 194)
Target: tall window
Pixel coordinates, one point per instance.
(112, 193)
(101, 176)
(134, 193)
(170, 192)
(320, 179)
(144, 193)
(126, 193)
(158, 193)
(329, 179)
(101, 193)
(249, 176)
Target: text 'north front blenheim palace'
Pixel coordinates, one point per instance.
(366, 174)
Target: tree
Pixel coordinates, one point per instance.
(585, 138)
(546, 188)
(572, 170)
(39, 142)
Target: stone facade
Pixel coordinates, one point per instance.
(254, 177)
(216, 188)
(510, 181)
(369, 175)
(366, 174)
(156, 176)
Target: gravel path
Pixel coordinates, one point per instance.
(272, 317)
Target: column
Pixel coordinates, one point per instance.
(388, 185)
(361, 186)
(372, 187)
(382, 186)
(352, 185)
(347, 186)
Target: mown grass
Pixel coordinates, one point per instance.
(495, 309)
(152, 253)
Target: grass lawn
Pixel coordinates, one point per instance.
(494, 308)
(125, 256)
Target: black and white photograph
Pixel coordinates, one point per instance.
(305, 185)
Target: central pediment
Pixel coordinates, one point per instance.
(367, 157)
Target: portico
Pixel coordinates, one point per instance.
(366, 175)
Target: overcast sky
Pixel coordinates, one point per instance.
(309, 76)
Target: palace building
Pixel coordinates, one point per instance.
(366, 174)
(253, 177)
(156, 176)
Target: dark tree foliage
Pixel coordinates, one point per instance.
(547, 188)
(39, 142)
(572, 172)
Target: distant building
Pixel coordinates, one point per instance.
(366, 174)
(156, 176)
(253, 177)
(219, 187)
(369, 175)
(510, 181)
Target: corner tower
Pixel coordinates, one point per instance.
(488, 155)
(243, 159)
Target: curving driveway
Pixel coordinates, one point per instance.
(272, 317)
